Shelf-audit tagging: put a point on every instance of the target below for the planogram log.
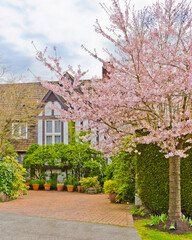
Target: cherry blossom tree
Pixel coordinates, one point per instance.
(145, 95)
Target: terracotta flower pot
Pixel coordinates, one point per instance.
(70, 188)
(47, 187)
(80, 189)
(112, 197)
(35, 187)
(60, 187)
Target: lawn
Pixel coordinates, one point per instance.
(150, 234)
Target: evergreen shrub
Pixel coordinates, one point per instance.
(153, 180)
(124, 175)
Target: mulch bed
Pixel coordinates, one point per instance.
(182, 227)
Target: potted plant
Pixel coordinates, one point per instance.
(35, 184)
(47, 185)
(70, 182)
(110, 187)
(80, 188)
(91, 184)
(60, 186)
(27, 183)
(70, 188)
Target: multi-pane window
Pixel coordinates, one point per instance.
(53, 132)
(19, 130)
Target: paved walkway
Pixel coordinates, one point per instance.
(22, 227)
(52, 215)
(94, 208)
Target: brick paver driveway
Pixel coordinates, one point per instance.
(70, 206)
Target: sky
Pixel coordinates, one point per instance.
(65, 24)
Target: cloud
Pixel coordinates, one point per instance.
(65, 24)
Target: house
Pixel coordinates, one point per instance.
(46, 127)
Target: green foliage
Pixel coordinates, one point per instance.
(39, 157)
(71, 180)
(7, 149)
(137, 211)
(53, 184)
(186, 185)
(152, 234)
(172, 227)
(84, 161)
(77, 157)
(35, 181)
(155, 220)
(90, 182)
(109, 172)
(11, 177)
(153, 180)
(60, 184)
(71, 129)
(123, 165)
(31, 149)
(110, 186)
(163, 217)
(53, 180)
(190, 222)
(48, 181)
(184, 218)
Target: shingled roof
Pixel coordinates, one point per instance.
(29, 92)
(38, 90)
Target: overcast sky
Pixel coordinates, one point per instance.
(66, 24)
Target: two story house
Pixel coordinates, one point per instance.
(47, 128)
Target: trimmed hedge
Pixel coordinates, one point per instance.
(153, 180)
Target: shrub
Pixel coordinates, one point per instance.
(124, 174)
(53, 184)
(77, 157)
(11, 177)
(137, 211)
(35, 181)
(71, 180)
(110, 186)
(153, 180)
(90, 182)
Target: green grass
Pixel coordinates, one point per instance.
(151, 234)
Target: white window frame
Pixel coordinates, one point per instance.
(20, 126)
(53, 134)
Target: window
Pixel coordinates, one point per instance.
(52, 132)
(19, 130)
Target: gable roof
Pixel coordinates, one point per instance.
(38, 91)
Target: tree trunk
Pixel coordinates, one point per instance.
(174, 212)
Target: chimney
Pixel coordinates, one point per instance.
(105, 73)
